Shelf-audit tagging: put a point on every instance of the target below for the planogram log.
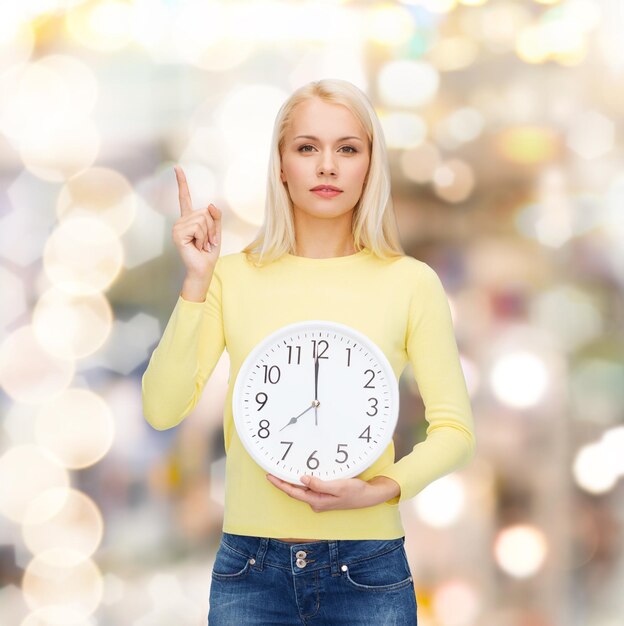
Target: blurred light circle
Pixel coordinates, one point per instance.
(528, 144)
(558, 216)
(435, 6)
(568, 314)
(403, 130)
(37, 100)
(456, 603)
(453, 53)
(564, 35)
(46, 504)
(420, 162)
(45, 115)
(78, 79)
(520, 550)
(105, 25)
(204, 35)
(16, 38)
(531, 44)
(592, 135)
(203, 145)
(50, 93)
(83, 255)
(56, 616)
(12, 288)
(453, 180)
(63, 578)
(500, 24)
(519, 379)
(406, 83)
(247, 200)
(76, 427)
(465, 124)
(78, 525)
(245, 117)
(151, 26)
(613, 445)
(441, 503)
(69, 326)
(61, 152)
(388, 24)
(594, 470)
(26, 471)
(613, 217)
(100, 192)
(28, 373)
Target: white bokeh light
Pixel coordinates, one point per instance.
(594, 469)
(519, 379)
(520, 550)
(441, 503)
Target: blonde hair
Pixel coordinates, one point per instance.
(374, 223)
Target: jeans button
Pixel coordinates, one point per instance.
(301, 563)
(301, 554)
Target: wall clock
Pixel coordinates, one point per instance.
(315, 397)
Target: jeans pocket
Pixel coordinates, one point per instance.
(383, 572)
(229, 564)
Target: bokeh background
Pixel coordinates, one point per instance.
(503, 120)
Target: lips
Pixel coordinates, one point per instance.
(325, 188)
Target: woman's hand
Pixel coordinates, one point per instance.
(196, 234)
(343, 493)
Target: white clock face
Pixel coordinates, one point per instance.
(333, 422)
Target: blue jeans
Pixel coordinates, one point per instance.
(267, 582)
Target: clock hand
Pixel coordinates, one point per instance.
(293, 420)
(316, 369)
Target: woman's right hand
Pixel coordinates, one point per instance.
(196, 234)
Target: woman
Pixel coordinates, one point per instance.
(331, 552)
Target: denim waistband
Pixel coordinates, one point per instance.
(301, 558)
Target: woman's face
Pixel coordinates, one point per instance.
(325, 156)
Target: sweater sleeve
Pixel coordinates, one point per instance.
(432, 351)
(183, 360)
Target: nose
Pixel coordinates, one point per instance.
(327, 164)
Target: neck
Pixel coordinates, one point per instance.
(323, 238)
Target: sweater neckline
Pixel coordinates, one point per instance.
(328, 261)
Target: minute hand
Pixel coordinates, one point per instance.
(316, 369)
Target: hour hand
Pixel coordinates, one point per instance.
(293, 420)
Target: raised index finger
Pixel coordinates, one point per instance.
(183, 191)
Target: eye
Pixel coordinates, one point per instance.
(352, 150)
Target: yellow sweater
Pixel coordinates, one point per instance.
(401, 305)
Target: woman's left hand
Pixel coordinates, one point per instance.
(343, 493)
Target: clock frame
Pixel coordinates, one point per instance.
(332, 423)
